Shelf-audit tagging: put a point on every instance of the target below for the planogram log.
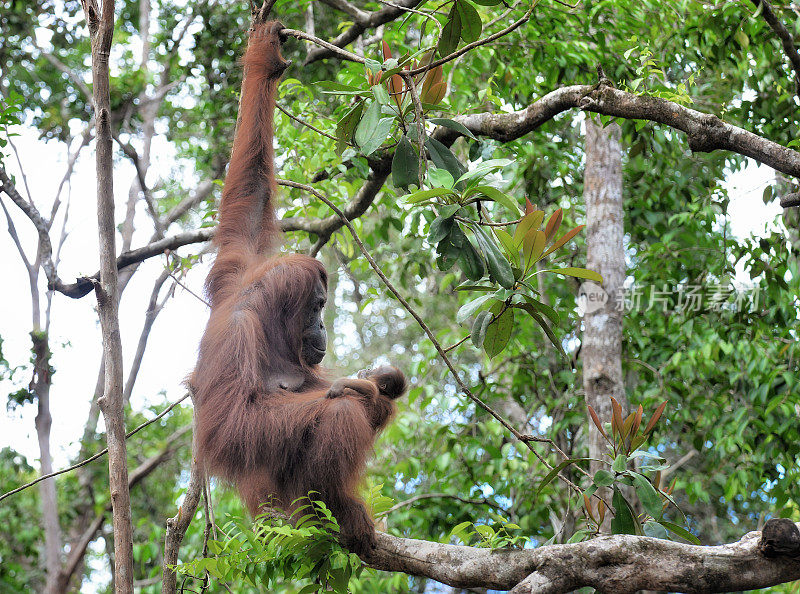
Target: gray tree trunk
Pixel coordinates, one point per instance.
(601, 350)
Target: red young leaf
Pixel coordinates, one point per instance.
(616, 415)
(553, 224)
(529, 207)
(638, 420)
(596, 421)
(566, 237)
(656, 416)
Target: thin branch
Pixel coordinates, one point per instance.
(152, 311)
(413, 500)
(84, 284)
(99, 454)
(785, 36)
(333, 49)
(63, 68)
(187, 289)
(373, 20)
(304, 123)
(42, 226)
(21, 170)
(12, 231)
(347, 8)
(200, 193)
(483, 41)
(133, 155)
(177, 525)
(86, 137)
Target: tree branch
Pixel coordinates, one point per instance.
(177, 525)
(706, 132)
(619, 564)
(371, 20)
(84, 285)
(784, 35)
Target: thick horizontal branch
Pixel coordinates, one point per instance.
(618, 564)
(706, 132)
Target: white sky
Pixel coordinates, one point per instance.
(173, 341)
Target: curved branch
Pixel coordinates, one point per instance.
(619, 564)
(324, 228)
(706, 132)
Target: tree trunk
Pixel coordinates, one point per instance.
(101, 27)
(601, 349)
(47, 489)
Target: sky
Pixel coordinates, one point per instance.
(172, 347)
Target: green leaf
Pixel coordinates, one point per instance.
(381, 94)
(509, 248)
(548, 331)
(469, 308)
(543, 308)
(451, 33)
(479, 327)
(576, 272)
(603, 478)
(473, 287)
(651, 500)
(499, 267)
(497, 196)
(423, 195)
(405, 164)
(679, 531)
(347, 125)
(484, 169)
(654, 530)
(532, 247)
(453, 125)
(443, 157)
(460, 531)
(378, 136)
(624, 521)
(498, 333)
(440, 228)
(440, 177)
(471, 262)
(548, 478)
(367, 125)
(471, 25)
(582, 534)
(532, 220)
(620, 463)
